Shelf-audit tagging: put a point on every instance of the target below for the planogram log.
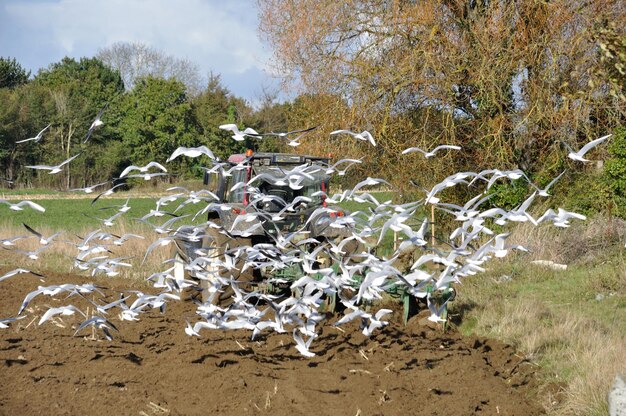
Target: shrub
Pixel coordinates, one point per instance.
(615, 171)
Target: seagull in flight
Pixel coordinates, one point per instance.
(368, 182)
(9, 181)
(33, 254)
(54, 169)
(350, 162)
(240, 135)
(19, 205)
(107, 192)
(191, 152)
(37, 138)
(148, 176)
(95, 124)
(88, 189)
(578, 156)
(62, 310)
(20, 271)
(292, 142)
(100, 323)
(430, 154)
(364, 135)
(5, 321)
(544, 192)
(302, 346)
(44, 241)
(142, 169)
(11, 241)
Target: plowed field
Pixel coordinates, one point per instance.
(152, 367)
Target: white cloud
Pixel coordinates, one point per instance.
(219, 36)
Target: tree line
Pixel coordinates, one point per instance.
(148, 114)
(508, 81)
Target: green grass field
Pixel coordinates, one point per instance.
(77, 214)
(73, 214)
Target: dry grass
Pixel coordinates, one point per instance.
(60, 256)
(572, 349)
(582, 241)
(572, 323)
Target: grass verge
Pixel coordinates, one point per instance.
(571, 322)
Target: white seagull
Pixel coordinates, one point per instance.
(20, 271)
(142, 169)
(578, 156)
(95, 124)
(364, 135)
(62, 310)
(11, 240)
(88, 189)
(37, 137)
(100, 323)
(432, 152)
(292, 142)
(19, 205)
(5, 321)
(42, 240)
(191, 152)
(108, 192)
(302, 346)
(54, 169)
(239, 135)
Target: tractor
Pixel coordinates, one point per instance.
(273, 211)
(249, 186)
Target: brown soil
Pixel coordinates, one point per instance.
(153, 368)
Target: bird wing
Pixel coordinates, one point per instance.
(592, 144)
(250, 131)
(127, 170)
(206, 151)
(32, 205)
(101, 112)
(446, 146)
(179, 151)
(41, 167)
(69, 160)
(12, 273)
(230, 127)
(368, 136)
(31, 230)
(553, 181)
(156, 165)
(28, 298)
(332, 133)
(412, 149)
(26, 140)
(288, 133)
(44, 129)
(381, 313)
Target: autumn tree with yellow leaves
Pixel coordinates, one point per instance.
(506, 80)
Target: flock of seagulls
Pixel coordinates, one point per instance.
(329, 269)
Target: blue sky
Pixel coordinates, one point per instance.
(218, 36)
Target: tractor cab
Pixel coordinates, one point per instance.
(271, 169)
